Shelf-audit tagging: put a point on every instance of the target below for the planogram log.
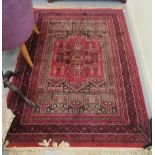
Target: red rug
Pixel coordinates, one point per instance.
(85, 81)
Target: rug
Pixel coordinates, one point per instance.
(85, 82)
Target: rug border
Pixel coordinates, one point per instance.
(136, 68)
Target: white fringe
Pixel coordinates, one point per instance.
(76, 151)
(123, 6)
(8, 117)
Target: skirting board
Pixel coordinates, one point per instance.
(144, 76)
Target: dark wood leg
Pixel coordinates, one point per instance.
(123, 1)
(15, 89)
(50, 1)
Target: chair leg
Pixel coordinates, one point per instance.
(26, 54)
(36, 30)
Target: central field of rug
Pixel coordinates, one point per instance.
(84, 80)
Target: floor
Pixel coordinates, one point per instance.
(76, 4)
(9, 57)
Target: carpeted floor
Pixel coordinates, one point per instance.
(84, 80)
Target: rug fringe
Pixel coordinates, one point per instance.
(77, 151)
(81, 7)
(8, 117)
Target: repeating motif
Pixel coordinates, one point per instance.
(76, 63)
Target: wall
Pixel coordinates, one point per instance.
(140, 17)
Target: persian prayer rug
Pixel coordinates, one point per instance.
(85, 82)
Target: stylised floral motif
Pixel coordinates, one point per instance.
(46, 143)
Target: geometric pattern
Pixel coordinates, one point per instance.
(85, 82)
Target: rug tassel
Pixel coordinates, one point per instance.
(93, 7)
(76, 151)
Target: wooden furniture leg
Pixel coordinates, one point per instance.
(123, 1)
(50, 0)
(26, 54)
(36, 30)
(25, 51)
